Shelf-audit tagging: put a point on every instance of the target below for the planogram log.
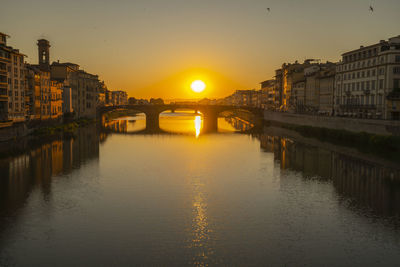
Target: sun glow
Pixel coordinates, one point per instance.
(198, 86)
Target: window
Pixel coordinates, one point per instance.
(367, 99)
(396, 83)
(372, 99)
(396, 70)
(358, 74)
(373, 72)
(358, 86)
(362, 85)
(381, 71)
(353, 76)
(362, 100)
(353, 86)
(397, 59)
(368, 73)
(381, 84)
(372, 85)
(363, 74)
(367, 85)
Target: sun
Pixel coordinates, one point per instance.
(198, 86)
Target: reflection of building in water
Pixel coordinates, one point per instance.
(36, 167)
(119, 126)
(239, 124)
(370, 184)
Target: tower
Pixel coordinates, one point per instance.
(44, 53)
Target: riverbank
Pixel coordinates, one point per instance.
(69, 127)
(332, 146)
(375, 127)
(39, 129)
(386, 146)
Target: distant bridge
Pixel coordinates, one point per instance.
(210, 113)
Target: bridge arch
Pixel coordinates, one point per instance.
(210, 113)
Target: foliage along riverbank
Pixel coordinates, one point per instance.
(69, 127)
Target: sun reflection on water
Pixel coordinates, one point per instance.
(197, 125)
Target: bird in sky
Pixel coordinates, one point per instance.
(371, 8)
(268, 9)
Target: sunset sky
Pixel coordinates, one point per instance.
(155, 48)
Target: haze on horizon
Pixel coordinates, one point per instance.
(155, 48)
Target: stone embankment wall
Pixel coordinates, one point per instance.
(381, 127)
(12, 132)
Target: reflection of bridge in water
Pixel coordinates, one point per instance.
(210, 114)
(121, 126)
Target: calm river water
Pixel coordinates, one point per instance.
(118, 197)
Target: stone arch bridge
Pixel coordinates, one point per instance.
(210, 113)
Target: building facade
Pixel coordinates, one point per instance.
(56, 100)
(84, 86)
(12, 82)
(366, 77)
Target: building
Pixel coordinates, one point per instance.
(119, 98)
(33, 92)
(12, 82)
(5, 61)
(268, 94)
(63, 73)
(299, 88)
(278, 88)
(85, 87)
(56, 100)
(365, 78)
(326, 89)
(318, 98)
(38, 89)
(393, 105)
(101, 96)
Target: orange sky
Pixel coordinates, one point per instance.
(154, 48)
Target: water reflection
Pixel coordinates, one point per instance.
(198, 124)
(130, 124)
(200, 228)
(233, 124)
(177, 122)
(153, 200)
(38, 163)
(365, 184)
(182, 122)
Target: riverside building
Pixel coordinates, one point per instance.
(12, 82)
(366, 78)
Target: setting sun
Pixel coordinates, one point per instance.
(198, 86)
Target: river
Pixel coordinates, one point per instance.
(116, 196)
